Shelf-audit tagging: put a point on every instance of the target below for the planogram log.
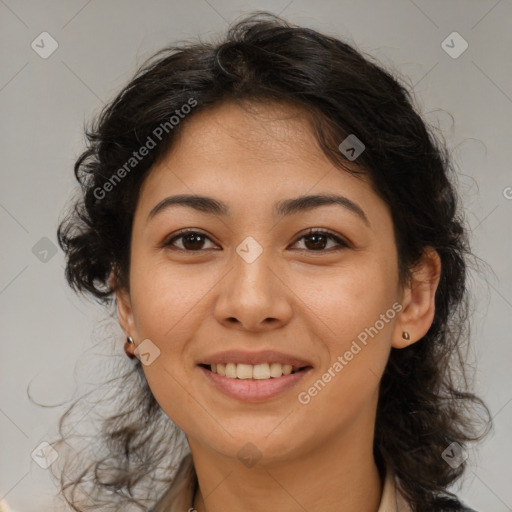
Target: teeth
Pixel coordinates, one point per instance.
(231, 370)
(244, 371)
(275, 370)
(262, 371)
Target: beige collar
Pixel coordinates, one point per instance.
(392, 500)
(180, 496)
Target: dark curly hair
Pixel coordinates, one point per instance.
(425, 403)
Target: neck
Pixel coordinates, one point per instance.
(340, 474)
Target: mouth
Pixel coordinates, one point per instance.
(252, 383)
(262, 371)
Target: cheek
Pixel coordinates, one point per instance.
(169, 306)
(166, 300)
(350, 298)
(360, 316)
(168, 310)
(359, 306)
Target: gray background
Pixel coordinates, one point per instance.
(45, 328)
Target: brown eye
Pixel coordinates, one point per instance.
(317, 240)
(191, 241)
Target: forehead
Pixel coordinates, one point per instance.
(248, 147)
(266, 132)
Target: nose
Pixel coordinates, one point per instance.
(253, 296)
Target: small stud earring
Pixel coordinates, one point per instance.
(405, 335)
(129, 339)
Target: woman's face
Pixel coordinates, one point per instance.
(253, 280)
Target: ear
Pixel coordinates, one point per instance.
(418, 300)
(124, 312)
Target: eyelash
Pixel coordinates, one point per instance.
(181, 234)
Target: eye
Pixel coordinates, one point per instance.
(318, 240)
(193, 241)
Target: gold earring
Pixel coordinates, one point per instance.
(127, 344)
(405, 335)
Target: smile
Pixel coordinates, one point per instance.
(254, 383)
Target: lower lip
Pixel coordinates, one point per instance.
(253, 390)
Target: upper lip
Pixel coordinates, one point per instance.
(260, 357)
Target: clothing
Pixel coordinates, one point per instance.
(180, 497)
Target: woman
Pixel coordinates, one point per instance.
(281, 236)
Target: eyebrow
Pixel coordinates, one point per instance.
(282, 208)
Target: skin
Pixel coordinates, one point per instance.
(315, 457)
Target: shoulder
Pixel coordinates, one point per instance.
(460, 508)
(443, 503)
(452, 505)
